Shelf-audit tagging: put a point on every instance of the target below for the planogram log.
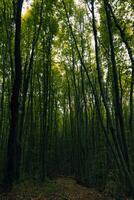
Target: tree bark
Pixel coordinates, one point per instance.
(13, 142)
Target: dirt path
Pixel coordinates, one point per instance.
(74, 191)
(58, 189)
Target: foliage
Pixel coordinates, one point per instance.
(74, 110)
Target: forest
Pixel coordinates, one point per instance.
(67, 99)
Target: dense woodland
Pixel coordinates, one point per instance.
(67, 92)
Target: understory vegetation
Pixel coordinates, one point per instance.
(67, 93)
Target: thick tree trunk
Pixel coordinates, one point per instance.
(13, 143)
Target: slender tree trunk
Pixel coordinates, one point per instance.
(129, 50)
(117, 104)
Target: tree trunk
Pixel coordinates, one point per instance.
(13, 143)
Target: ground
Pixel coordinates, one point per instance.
(59, 189)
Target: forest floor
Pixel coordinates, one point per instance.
(59, 189)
